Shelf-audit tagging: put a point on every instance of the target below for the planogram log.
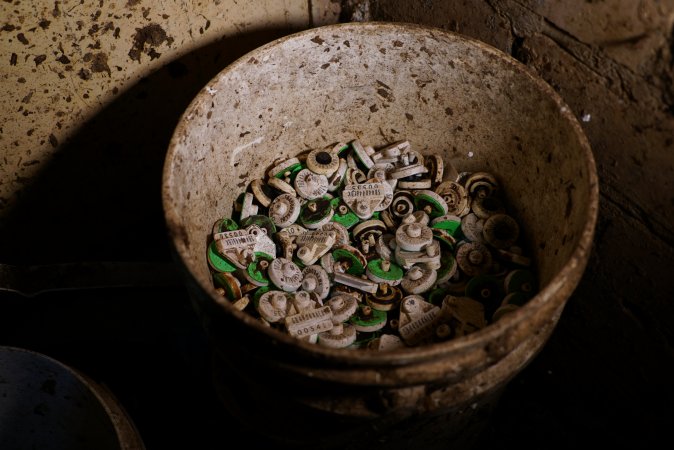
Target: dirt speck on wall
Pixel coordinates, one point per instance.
(146, 39)
(75, 81)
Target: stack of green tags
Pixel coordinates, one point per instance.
(350, 246)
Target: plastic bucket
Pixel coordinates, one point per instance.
(48, 405)
(380, 82)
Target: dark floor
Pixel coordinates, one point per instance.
(147, 347)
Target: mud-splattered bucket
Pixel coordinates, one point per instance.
(380, 82)
(48, 405)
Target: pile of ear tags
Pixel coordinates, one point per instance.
(348, 246)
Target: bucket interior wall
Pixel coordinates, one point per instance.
(466, 101)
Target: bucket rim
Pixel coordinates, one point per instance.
(557, 290)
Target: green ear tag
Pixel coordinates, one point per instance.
(355, 265)
(343, 214)
(259, 292)
(225, 224)
(381, 271)
(437, 296)
(217, 262)
(521, 280)
(261, 221)
(229, 283)
(255, 271)
(368, 319)
(452, 226)
(487, 290)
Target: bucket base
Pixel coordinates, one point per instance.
(283, 421)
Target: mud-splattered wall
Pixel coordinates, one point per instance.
(91, 92)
